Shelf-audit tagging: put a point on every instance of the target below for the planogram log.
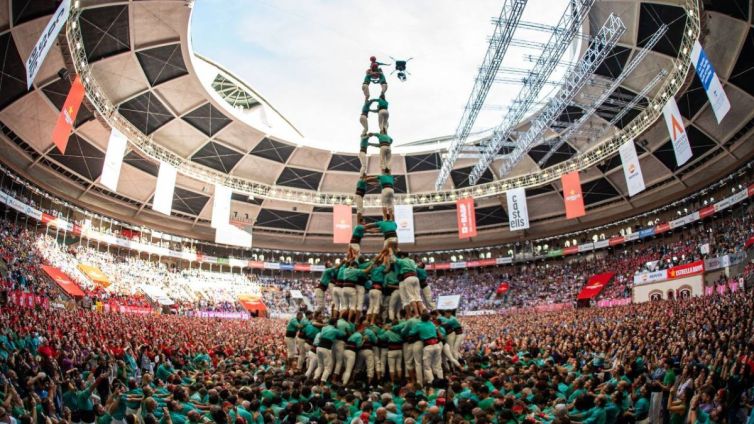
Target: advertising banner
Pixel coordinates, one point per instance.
(574, 201)
(341, 224)
(631, 168)
(711, 83)
(46, 41)
(518, 213)
(163, 195)
(221, 206)
(466, 216)
(67, 116)
(404, 219)
(116, 148)
(678, 135)
(446, 303)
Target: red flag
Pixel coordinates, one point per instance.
(341, 224)
(503, 287)
(466, 216)
(574, 201)
(68, 114)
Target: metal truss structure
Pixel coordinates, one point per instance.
(501, 39)
(606, 95)
(107, 112)
(570, 25)
(598, 50)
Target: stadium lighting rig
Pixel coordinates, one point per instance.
(575, 128)
(501, 39)
(569, 27)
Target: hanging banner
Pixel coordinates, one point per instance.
(518, 212)
(46, 40)
(466, 217)
(677, 130)
(448, 303)
(631, 168)
(63, 281)
(163, 194)
(116, 148)
(341, 224)
(404, 218)
(95, 274)
(574, 201)
(67, 116)
(221, 206)
(232, 235)
(711, 83)
(595, 285)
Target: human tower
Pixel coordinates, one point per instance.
(398, 336)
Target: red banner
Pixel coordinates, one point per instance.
(47, 218)
(686, 270)
(444, 265)
(341, 224)
(574, 201)
(63, 281)
(302, 267)
(466, 216)
(750, 190)
(662, 228)
(503, 287)
(616, 240)
(252, 303)
(571, 250)
(706, 211)
(67, 116)
(749, 242)
(595, 285)
(256, 264)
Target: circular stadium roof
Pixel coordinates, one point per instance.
(185, 109)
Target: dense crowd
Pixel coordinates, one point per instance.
(668, 361)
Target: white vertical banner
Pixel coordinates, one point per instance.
(518, 212)
(677, 130)
(232, 235)
(163, 194)
(116, 148)
(711, 83)
(46, 40)
(404, 218)
(221, 206)
(631, 168)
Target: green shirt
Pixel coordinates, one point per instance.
(377, 275)
(356, 339)
(341, 273)
(425, 330)
(353, 275)
(331, 333)
(404, 265)
(384, 139)
(361, 186)
(391, 337)
(327, 276)
(358, 231)
(421, 274)
(363, 143)
(381, 104)
(292, 326)
(387, 226)
(386, 180)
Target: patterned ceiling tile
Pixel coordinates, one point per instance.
(105, 31)
(299, 178)
(146, 112)
(273, 150)
(12, 72)
(162, 63)
(217, 157)
(207, 119)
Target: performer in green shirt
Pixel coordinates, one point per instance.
(374, 75)
(385, 150)
(291, 331)
(382, 114)
(354, 247)
(426, 331)
(426, 291)
(328, 275)
(405, 268)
